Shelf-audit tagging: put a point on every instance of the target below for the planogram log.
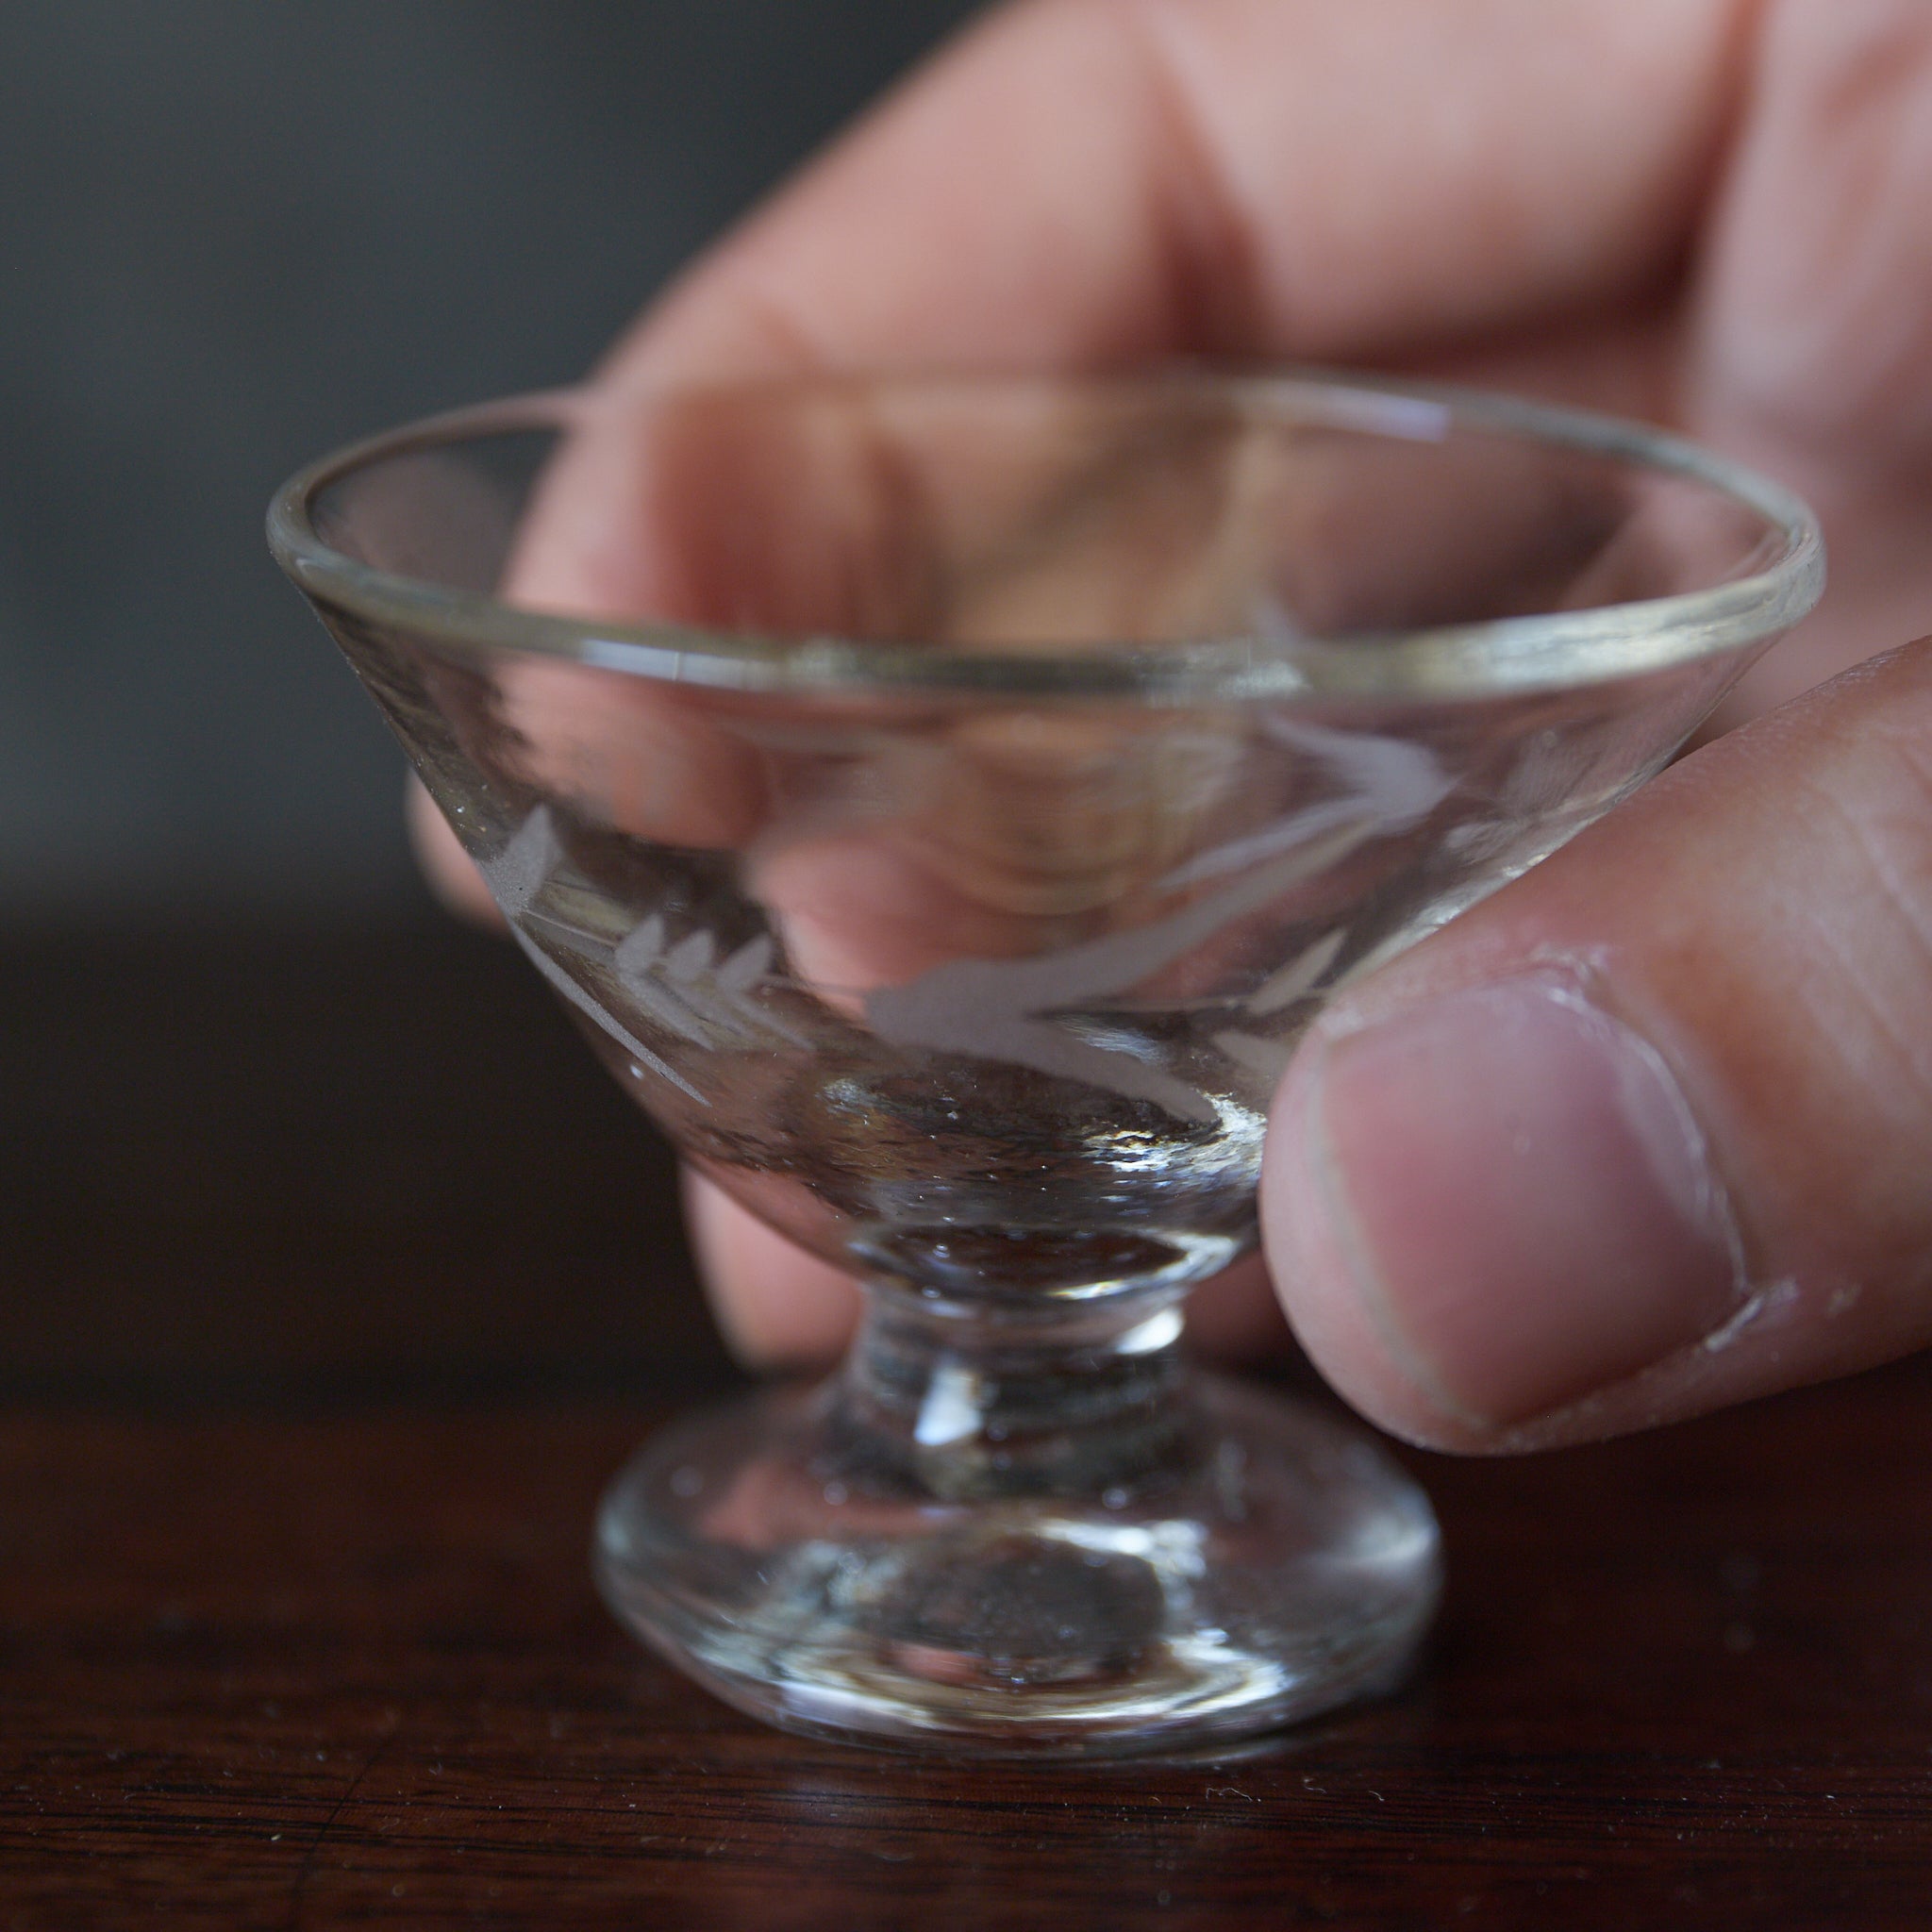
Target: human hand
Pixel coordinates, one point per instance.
(1693, 1167)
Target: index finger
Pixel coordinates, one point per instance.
(1077, 183)
(1081, 182)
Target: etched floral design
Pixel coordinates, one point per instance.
(1022, 1011)
(685, 986)
(1005, 1008)
(680, 983)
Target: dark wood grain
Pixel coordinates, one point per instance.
(268, 1671)
(289, 1642)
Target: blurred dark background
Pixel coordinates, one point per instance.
(275, 1124)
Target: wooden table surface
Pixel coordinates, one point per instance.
(336, 1284)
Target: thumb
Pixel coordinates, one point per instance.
(1651, 1130)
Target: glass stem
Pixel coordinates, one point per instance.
(981, 1400)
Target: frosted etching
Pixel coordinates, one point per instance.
(710, 1004)
(1013, 1011)
(1387, 787)
(1002, 1009)
(515, 877)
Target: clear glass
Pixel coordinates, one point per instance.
(944, 813)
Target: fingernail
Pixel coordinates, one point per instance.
(1524, 1196)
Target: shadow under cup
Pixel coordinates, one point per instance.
(944, 804)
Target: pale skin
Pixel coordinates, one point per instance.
(1702, 1168)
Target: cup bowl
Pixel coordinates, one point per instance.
(943, 803)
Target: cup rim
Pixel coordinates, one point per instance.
(1495, 657)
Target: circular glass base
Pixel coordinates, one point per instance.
(1287, 1567)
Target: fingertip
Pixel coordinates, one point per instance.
(1235, 1318)
(1641, 1135)
(779, 1308)
(1318, 1279)
(451, 872)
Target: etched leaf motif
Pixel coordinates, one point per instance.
(516, 876)
(518, 873)
(1300, 977)
(1385, 784)
(689, 956)
(748, 965)
(680, 988)
(1004, 1008)
(1268, 1058)
(597, 1011)
(640, 961)
(1010, 1009)
(675, 981)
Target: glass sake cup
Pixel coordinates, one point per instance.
(943, 803)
